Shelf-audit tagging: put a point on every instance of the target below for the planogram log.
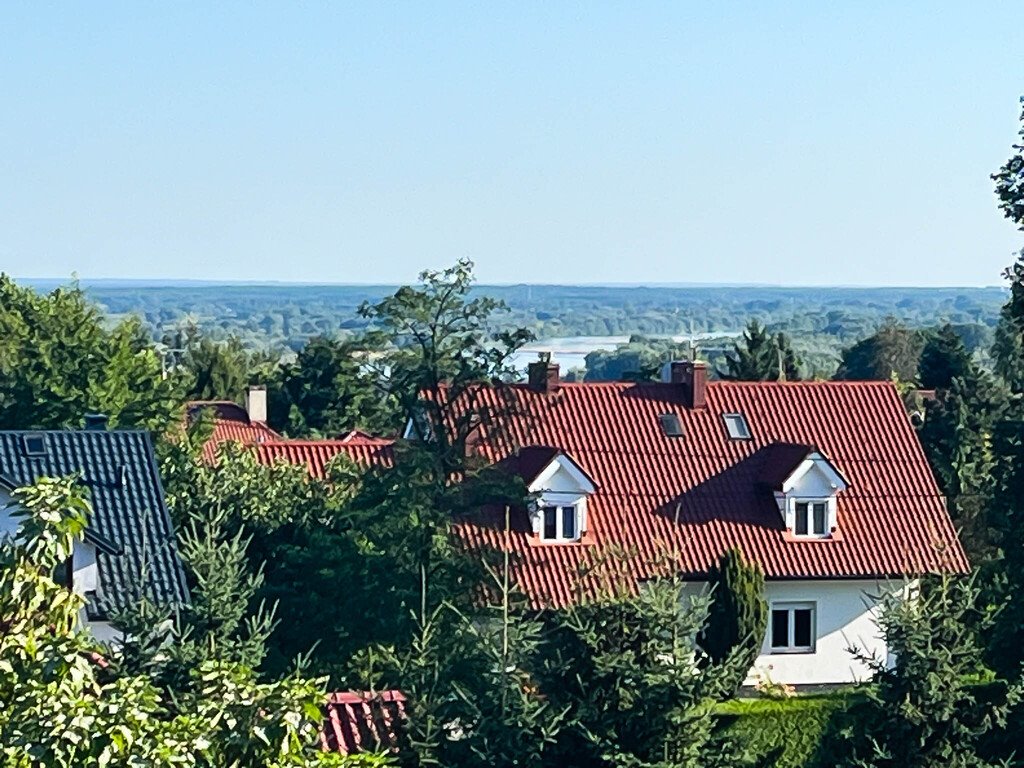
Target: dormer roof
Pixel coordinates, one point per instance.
(537, 464)
(786, 463)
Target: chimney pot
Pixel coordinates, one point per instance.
(256, 403)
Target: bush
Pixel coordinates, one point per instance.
(786, 733)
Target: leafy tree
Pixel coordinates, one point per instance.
(640, 359)
(65, 706)
(266, 548)
(762, 357)
(738, 618)
(943, 358)
(926, 710)
(59, 360)
(330, 390)
(893, 350)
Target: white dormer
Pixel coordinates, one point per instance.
(560, 488)
(806, 495)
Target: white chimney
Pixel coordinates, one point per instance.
(256, 403)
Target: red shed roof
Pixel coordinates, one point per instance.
(363, 722)
(695, 496)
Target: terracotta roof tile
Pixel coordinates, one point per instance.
(363, 722)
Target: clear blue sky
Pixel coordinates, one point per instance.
(793, 143)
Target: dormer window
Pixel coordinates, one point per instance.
(811, 518)
(806, 486)
(561, 489)
(736, 426)
(560, 523)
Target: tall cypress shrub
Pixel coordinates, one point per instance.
(738, 618)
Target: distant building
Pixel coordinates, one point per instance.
(129, 546)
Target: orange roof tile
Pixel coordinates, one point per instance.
(363, 722)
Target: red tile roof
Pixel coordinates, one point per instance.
(363, 722)
(891, 520)
(230, 423)
(317, 454)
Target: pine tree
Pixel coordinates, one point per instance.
(943, 358)
(925, 712)
(761, 357)
(738, 618)
(892, 350)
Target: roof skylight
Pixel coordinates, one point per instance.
(671, 425)
(34, 444)
(736, 426)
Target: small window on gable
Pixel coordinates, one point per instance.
(34, 445)
(811, 519)
(560, 523)
(736, 426)
(671, 425)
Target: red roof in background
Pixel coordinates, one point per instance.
(363, 722)
(230, 422)
(891, 520)
(317, 454)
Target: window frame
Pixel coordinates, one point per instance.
(740, 419)
(790, 607)
(667, 420)
(559, 510)
(810, 503)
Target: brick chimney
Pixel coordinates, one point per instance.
(256, 404)
(693, 377)
(542, 374)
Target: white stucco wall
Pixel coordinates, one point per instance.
(844, 616)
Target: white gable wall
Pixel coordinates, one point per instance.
(845, 616)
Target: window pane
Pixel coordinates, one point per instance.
(819, 518)
(550, 518)
(801, 519)
(802, 628)
(568, 522)
(780, 628)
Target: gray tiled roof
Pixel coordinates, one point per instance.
(130, 523)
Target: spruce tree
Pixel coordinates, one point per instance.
(738, 617)
(943, 358)
(759, 356)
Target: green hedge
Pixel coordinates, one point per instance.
(781, 733)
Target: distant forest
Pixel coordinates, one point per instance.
(820, 321)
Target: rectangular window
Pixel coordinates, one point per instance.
(811, 518)
(820, 518)
(671, 425)
(551, 522)
(568, 522)
(792, 628)
(736, 426)
(800, 529)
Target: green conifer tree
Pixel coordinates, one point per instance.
(738, 617)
